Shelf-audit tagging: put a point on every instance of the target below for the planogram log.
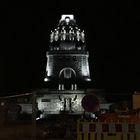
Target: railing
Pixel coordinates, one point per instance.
(90, 130)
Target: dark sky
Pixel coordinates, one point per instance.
(112, 38)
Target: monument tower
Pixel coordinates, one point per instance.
(67, 66)
(67, 58)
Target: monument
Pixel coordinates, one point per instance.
(67, 66)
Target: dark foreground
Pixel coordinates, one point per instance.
(26, 132)
(60, 127)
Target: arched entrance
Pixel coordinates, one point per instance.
(67, 78)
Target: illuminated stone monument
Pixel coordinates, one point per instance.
(67, 65)
(67, 58)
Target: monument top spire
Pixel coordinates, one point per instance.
(64, 17)
(66, 32)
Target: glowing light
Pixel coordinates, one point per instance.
(2, 103)
(63, 17)
(46, 79)
(37, 118)
(88, 79)
(67, 19)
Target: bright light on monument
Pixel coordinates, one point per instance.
(67, 63)
(46, 79)
(71, 17)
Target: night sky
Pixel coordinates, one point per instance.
(112, 39)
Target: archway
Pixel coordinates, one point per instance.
(67, 78)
